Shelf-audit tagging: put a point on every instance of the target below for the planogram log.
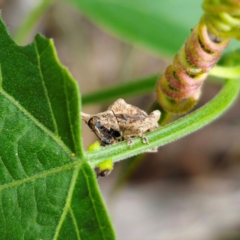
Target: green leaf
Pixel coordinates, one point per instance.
(47, 190)
(172, 131)
(159, 26)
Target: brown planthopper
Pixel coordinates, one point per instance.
(122, 121)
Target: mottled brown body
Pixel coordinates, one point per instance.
(121, 122)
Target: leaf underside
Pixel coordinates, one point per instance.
(47, 190)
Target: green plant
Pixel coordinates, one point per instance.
(48, 188)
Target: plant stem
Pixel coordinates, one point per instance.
(172, 131)
(30, 21)
(226, 72)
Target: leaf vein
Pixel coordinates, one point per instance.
(44, 87)
(92, 200)
(46, 173)
(5, 168)
(68, 202)
(37, 123)
(75, 223)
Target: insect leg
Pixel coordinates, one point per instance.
(130, 141)
(144, 139)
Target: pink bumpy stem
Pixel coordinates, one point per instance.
(178, 89)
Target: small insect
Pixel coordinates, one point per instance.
(121, 122)
(104, 168)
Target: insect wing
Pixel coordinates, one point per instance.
(121, 107)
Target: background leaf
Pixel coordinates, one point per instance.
(47, 190)
(159, 26)
(129, 88)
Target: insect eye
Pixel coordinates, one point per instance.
(98, 125)
(116, 134)
(104, 173)
(106, 140)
